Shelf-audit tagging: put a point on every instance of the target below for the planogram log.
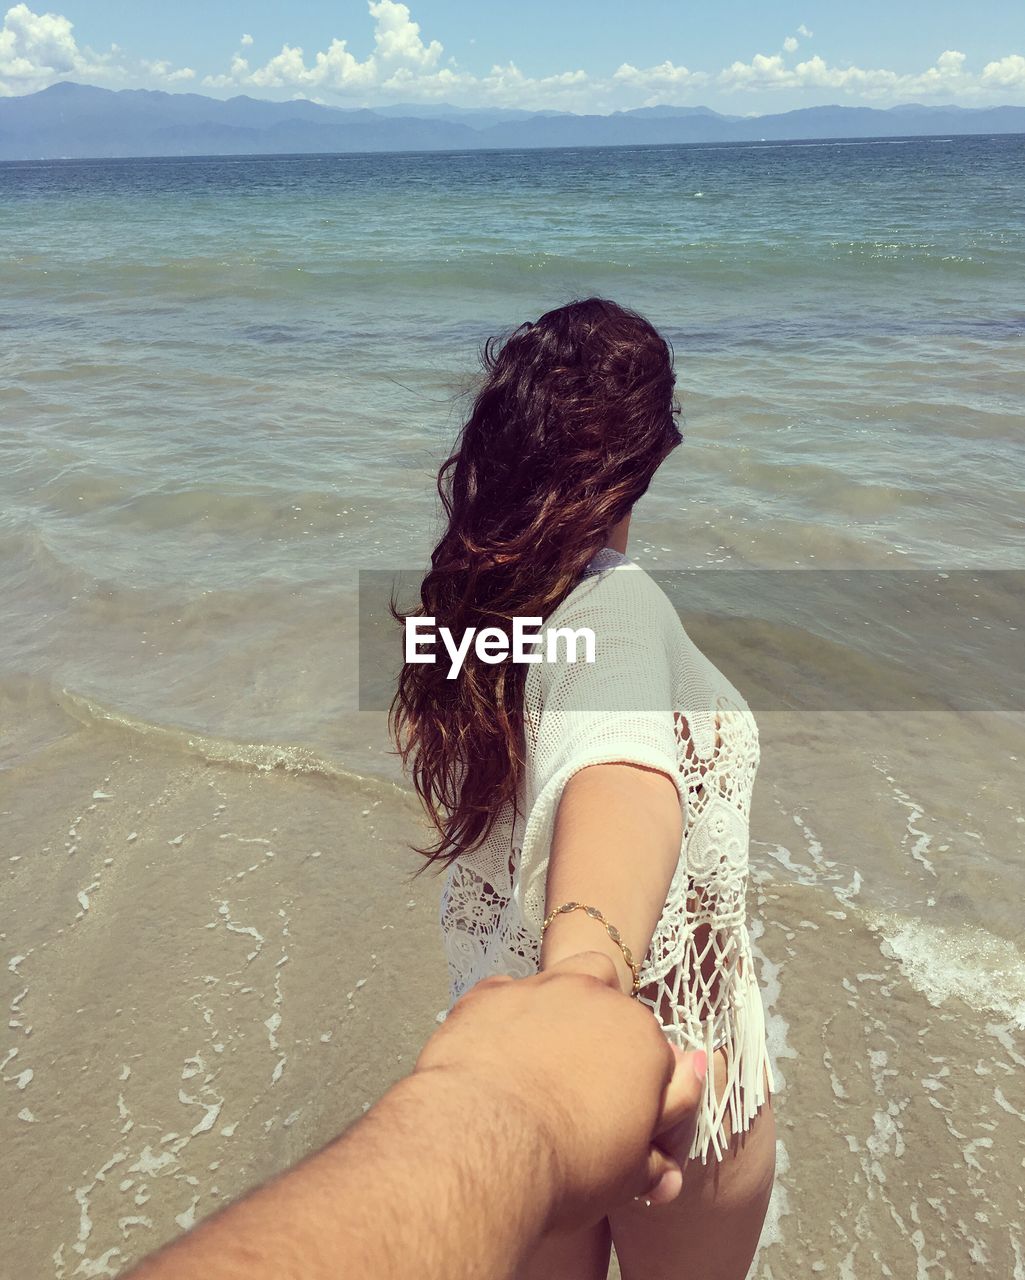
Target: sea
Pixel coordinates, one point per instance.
(226, 385)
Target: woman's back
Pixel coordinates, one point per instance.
(651, 698)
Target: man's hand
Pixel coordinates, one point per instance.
(541, 1098)
(590, 1068)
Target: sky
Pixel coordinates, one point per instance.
(737, 56)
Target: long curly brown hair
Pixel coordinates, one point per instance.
(576, 413)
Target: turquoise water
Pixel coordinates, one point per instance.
(225, 383)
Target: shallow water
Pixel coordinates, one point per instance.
(225, 385)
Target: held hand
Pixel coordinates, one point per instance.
(589, 1069)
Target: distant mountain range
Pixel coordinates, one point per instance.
(70, 120)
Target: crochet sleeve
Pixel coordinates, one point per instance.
(617, 709)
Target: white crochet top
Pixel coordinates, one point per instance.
(651, 697)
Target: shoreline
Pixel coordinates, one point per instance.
(211, 968)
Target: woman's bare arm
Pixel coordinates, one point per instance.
(616, 846)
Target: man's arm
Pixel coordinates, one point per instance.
(536, 1106)
(443, 1177)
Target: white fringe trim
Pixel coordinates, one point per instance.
(747, 1064)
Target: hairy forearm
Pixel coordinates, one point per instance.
(444, 1177)
(616, 846)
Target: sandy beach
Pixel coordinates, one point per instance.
(212, 968)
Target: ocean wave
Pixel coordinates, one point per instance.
(939, 961)
(695, 261)
(985, 971)
(260, 756)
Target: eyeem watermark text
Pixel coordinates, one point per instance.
(493, 645)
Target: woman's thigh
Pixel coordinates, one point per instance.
(711, 1230)
(571, 1255)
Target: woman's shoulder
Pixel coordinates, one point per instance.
(622, 592)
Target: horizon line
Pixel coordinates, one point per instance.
(712, 145)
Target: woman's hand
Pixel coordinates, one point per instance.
(597, 1086)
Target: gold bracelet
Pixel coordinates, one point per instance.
(613, 933)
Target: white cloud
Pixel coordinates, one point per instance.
(397, 36)
(665, 74)
(402, 63)
(769, 72)
(37, 48)
(398, 47)
(163, 71)
(1007, 73)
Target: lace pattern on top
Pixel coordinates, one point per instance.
(698, 975)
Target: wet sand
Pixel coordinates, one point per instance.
(211, 968)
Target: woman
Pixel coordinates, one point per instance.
(598, 804)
